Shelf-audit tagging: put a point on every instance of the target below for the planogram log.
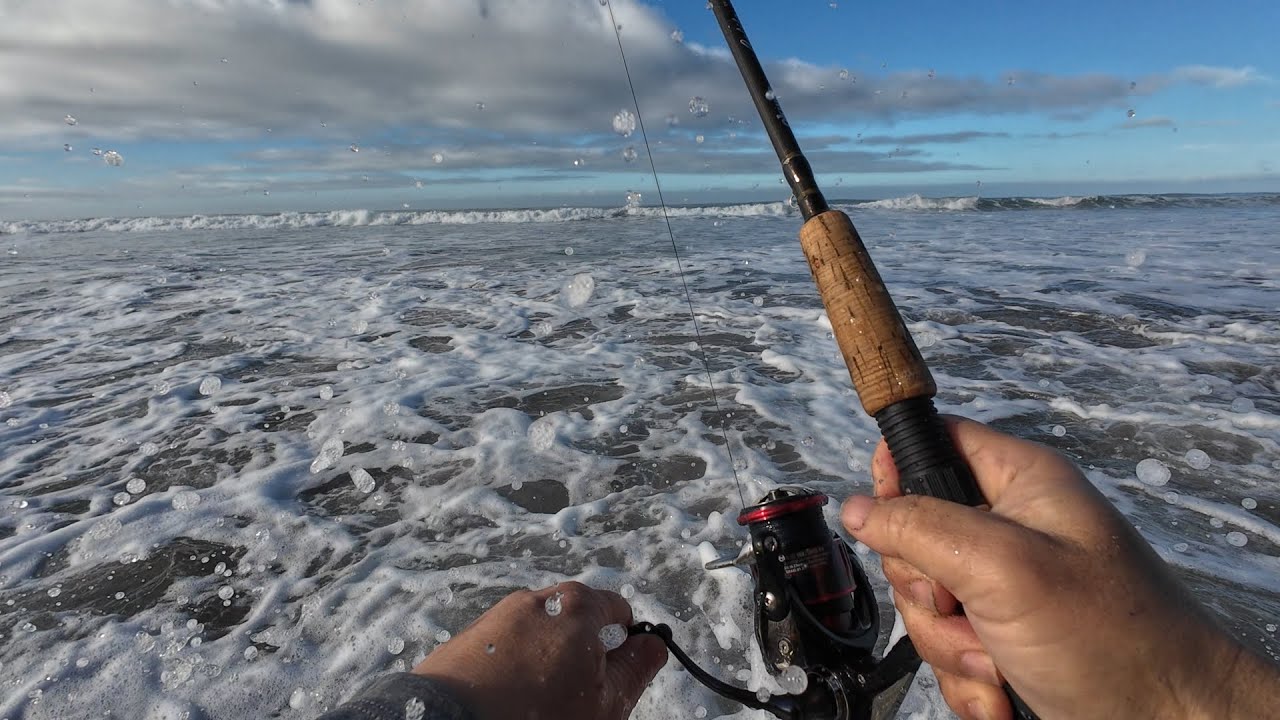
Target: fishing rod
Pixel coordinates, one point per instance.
(816, 617)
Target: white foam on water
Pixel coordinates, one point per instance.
(517, 440)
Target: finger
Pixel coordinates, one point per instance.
(962, 548)
(998, 460)
(630, 668)
(907, 580)
(884, 473)
(948, 643)
(973, 700)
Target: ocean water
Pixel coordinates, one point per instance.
(249, 462)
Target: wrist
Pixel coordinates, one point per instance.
(1232, 681)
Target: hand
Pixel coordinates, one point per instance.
(547, 667)
(1058, 590)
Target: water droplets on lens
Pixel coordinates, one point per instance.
(363, 481)
(329, 454)
(612, 636)
(794, 680)
(1198, 459)
(629, 154)
(1238, 539)
(210, 385)
(624, 122)
(437, 157)
(113, 158)
(698, 107)
(554, 605)
(1153, 472)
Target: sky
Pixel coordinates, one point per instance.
(143, 107)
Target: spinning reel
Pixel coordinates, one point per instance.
(816, 619)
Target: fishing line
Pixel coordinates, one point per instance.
(675, 249)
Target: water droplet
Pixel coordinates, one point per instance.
(932, 73)
(1249, 503)
(627, 591)
(1059, 431)
(629, 154)
(769, 94)
(1136, 258)
(97, 152)
(677, 36)
(1010, 80)
(329, 454)
(762, 695)
(612, 636)
(757, 301)
(226, 592)
(66, 147)
(437, 157)
(1271, 627)
(1172, 497)
(479, 106)
(113, 158)
(843, 74)
(414, 709)
(579, 290)
(699, 139)
(55, 592)
(250, 653)
(395, 645)
(135, 485)
(219, 568)
(1132, 112)
(1181, 547)
(118, 596)
(326, 392)
(1216, 522)
(354, 148)
(568, 251)
(624, 122)
(28, 627)
(121, 498)
(298, 699)
(185, 500)
(633, 199)
(1153, 472)
(443, 636)
(210, 385)
(1241, 405)
(363, 480)
(794, 680)
(70, 120)
(1237, 539)
(698, 107)
(554, 605)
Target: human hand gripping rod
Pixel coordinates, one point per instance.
(888, 372)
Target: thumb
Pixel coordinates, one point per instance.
(630, 668)
(961, 547)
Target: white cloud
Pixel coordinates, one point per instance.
(1219, 77)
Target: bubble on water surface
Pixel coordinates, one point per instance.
(226, 592)
(210, 385)
(326, 392)
(1135, 258)
(364, 482)
(121, 498)
(1241, 405)
(1237, 539)
(185, 500)
(699, 107)
(1197, 459)
(624, 122)
(1153, 472)
(1249, 504)
(629, 154)
(612, 636)
(794, 680)
(149, 448)
(554, 605)
(1059, 431)
(329, 454)
(113, 158)
(700, 711)
(395, 646)
(250, 653)
(627, 591)
(135, 485)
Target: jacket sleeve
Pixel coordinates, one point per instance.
(402, 696)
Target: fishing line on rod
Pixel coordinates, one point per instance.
(675, 249)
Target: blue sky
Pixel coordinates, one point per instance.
(255, 105)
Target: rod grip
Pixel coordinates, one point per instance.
(883, 361)
(924, 453)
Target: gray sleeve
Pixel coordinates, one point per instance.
(402, 696)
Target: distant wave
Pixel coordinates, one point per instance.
(364, 218)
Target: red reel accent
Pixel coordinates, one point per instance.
(769, 511)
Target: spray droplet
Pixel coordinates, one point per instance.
(1249, 504)
(677, 36)
(627, 591)
(1198, 459)
(226, 592)
(633, 199)
(363, 480)
(70, 120)
(794, 680)
(121, 498)
(1059, 431)
(326, 392)
(843, 74)
(444, 595)
(1241, 405)
(629, 154)
(54, 592)
(932, 74)
(66, 147)
(479, 106)
(699, 139)
(554, 605)
(1237, 539)
(210, 385)
(414, 709)
(699, 107)
(490, 649)
(113, 158)
(437, 157)
(1153, 472)
(135, 485)
(612, 636)
(624, 122)
(329, 454)
(1136, 257)
(395, 645)
(443, 636)
(354, 148)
